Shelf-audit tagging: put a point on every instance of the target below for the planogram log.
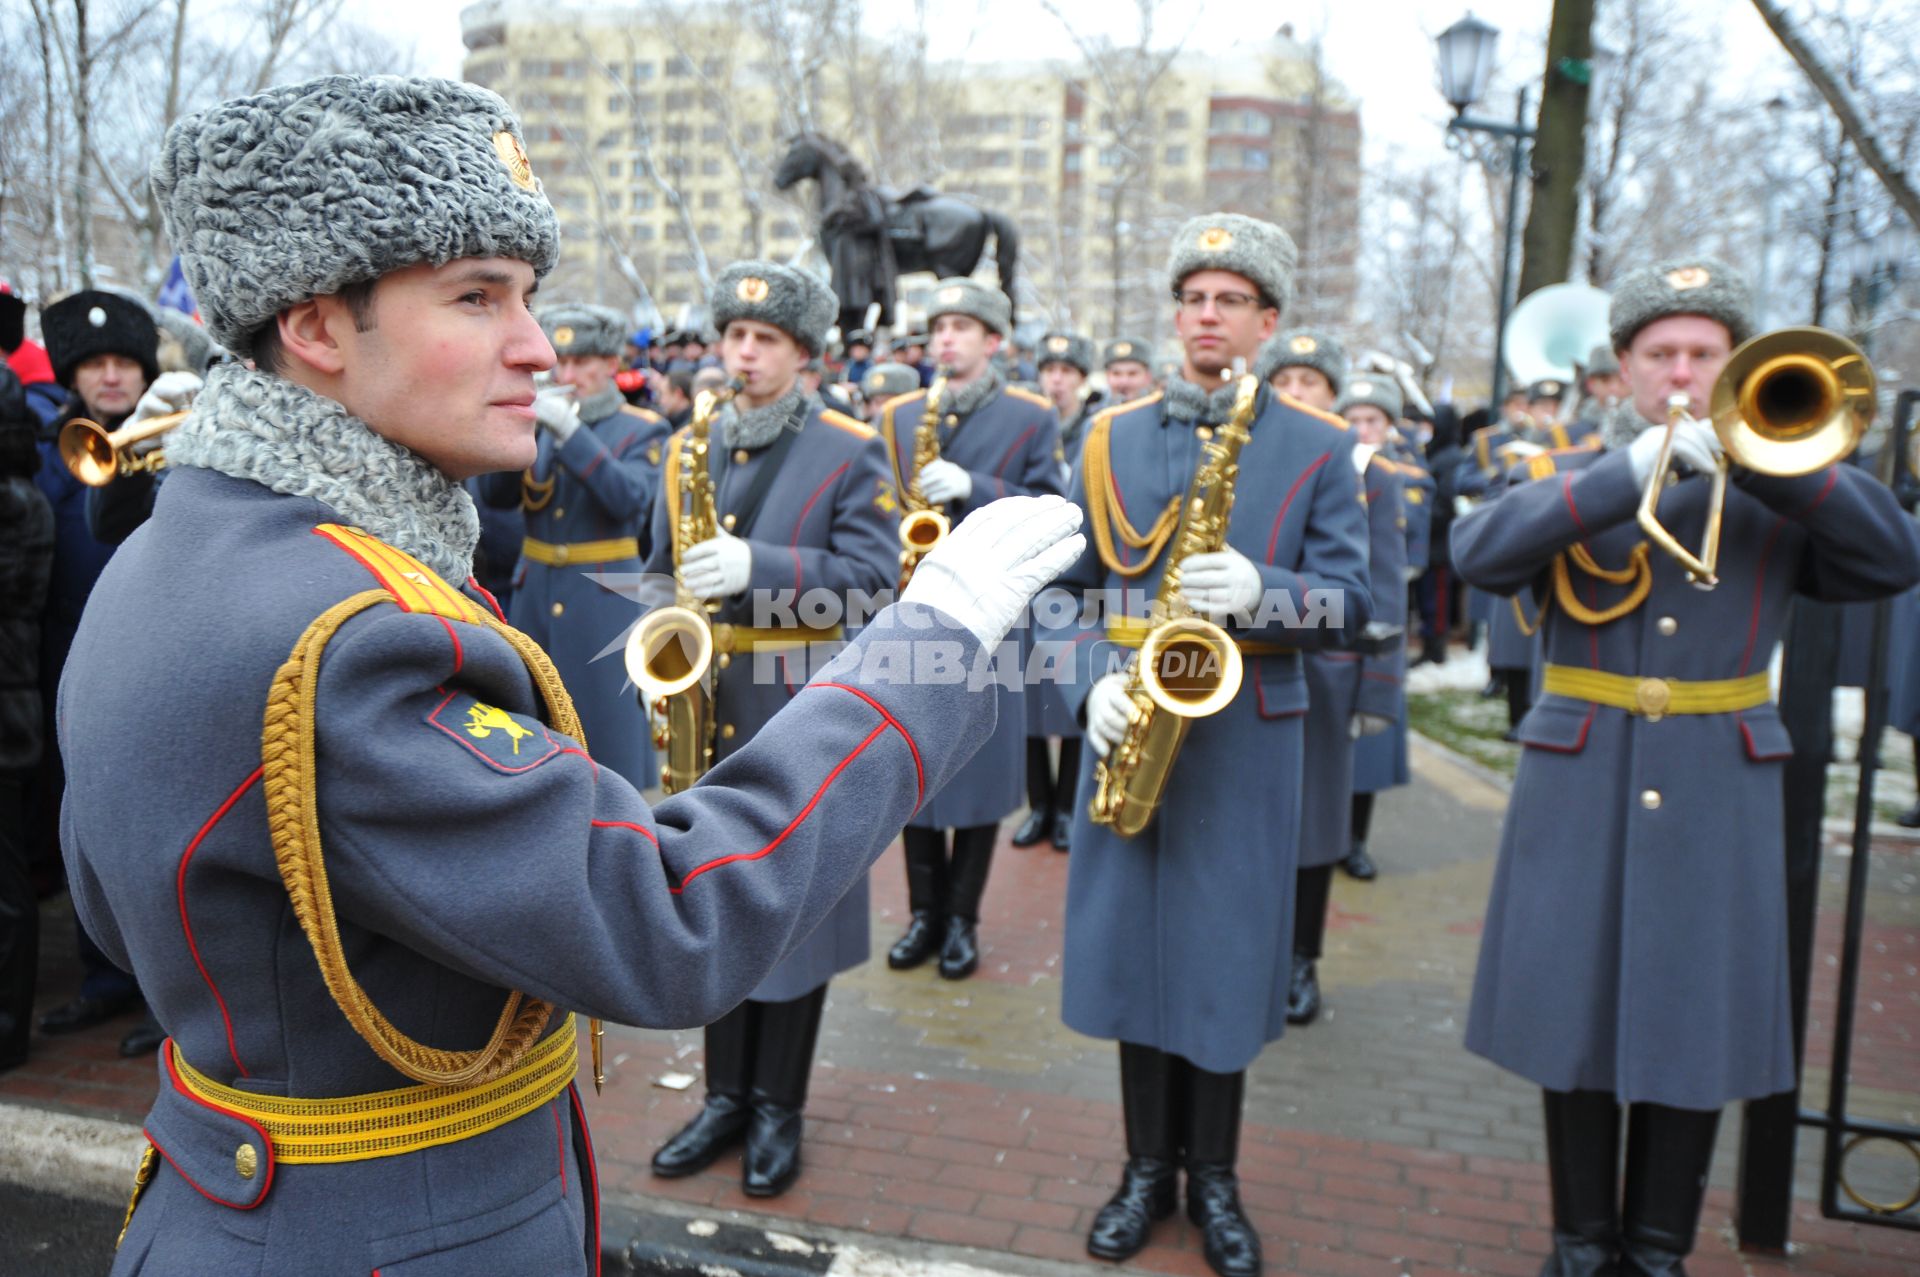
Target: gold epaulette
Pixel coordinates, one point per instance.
(840, 420)
(645, 414)
(1331, 418)
(413, 585)
(1038, 401)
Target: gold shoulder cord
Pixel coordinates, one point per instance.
(1638, 571)
(1104, 512)
(535, 494)
(293, 821)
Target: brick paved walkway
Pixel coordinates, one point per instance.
(966, 1114)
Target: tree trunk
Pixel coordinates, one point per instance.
(83, 124)
(1559, 152)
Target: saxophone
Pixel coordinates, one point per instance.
(669, 651)
(1187, 666)
(923, 526)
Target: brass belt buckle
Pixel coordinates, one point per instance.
(1652, 698)
(560, 554)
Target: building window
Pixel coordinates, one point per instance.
(997, 159)
(1073, 126)
(712, 133)
(711, 67)
(615, 168)
(1253, 159)
(679, 132)
(1175, 119)
(642, 200)
(613, 201)
(1176, 155)
(1032, 194)
(1070, 162)
(784, 228)
(616, 103)
(1035, 126)
(749, 134)
(642, 72)
(645, 103)
(679, 64)
(1033, 160)
(680, 100)
(999, 124)
(710, 166)
(1113, 156)
(710, 231)
(709, 199)
(643, 232)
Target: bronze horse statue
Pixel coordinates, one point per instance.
(873, 235)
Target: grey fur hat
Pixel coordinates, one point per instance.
(884, 381)
(793, 301)
(1258, 251)
(1067, 348)
(1703, 286)
(1602, 362)
(1303, 348)
(1122, 349)
(578, 329)
(197, 349)
(305, 189)
(961, 296)
(1371, 388)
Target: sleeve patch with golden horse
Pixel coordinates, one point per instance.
(510, 743)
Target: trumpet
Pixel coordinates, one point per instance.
(97, 457)
(1789, 402)
(923, 526)
(669, 651)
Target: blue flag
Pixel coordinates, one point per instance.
(176, 294)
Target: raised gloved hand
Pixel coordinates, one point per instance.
(170, 392)
(1220, 584)
(1364, 724)
(717, 568)
(1362, 456)
(942, 481)
(556, 411)
(995, 560)
(1695, 447)
(1109, 710)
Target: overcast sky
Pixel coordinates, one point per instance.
(1382, 50)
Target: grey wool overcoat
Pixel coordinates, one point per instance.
(1180, 938)
(1636, 935)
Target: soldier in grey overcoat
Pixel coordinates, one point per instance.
(1066, 359)
(996, 440)
(1635, 950)
(587, 500)
(1348, 697)
(351, 849)
(1150, 917)
(808, 528)
(1126, 362)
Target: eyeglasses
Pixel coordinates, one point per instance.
(1224, 303)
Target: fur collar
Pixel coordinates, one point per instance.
(754, 428)
(254, 425)
(598, 407)
(962, 401)
(1188, 403)
(1620, 424)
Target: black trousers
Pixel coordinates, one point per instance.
(1047, 786)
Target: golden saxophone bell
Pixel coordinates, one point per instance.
(97, 457)
(1789, 402)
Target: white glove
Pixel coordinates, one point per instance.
(1695, 447)
(1519, 450)
(170, 392)
(717, 569)
(1368, 725)
(1109, 710)
(992, 564)
(942, 481)
(1462, 507)
(555, 410)
(1221, 584)
(1362, 454)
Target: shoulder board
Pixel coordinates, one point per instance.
(858, 429)
(1384, 463)
(1540, 465)
(1039, 401)
(1332, 419)
(900, 401)
(414, 586)
(645, 414)
(1104, 418)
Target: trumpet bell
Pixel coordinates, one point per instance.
(669, 651)
(87, 449)
(1793, 401)
(1190, 667)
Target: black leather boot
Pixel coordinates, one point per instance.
(783, 1061)
(1039, 794)
(723, 1121)
(1668, 1153)
(1303, 991)
(1358, 864)
(972, 858)
(1064, 790)
(1147, 1186)
(1910, 818)
(1519, 701)
(1228, 1239)
(926, 895)
(1583, 1159)
(1311, 889)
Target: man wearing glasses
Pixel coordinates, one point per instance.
(1179, 941)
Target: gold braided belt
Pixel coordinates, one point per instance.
(556, 556)
(1132, 631)
(1655, 698)
(728, 637)
(356, 1128)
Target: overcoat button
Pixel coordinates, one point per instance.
(739, 456)
(1650, 799)
(727, 522)
(558, 608)
(726, 731)
(1667, 626)
(246, 1161)
(560, 512)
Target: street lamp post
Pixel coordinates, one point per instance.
(1466, 64)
